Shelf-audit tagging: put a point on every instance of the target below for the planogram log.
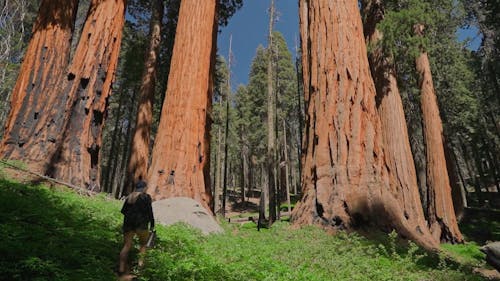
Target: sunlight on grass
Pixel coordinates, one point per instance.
(56, 234)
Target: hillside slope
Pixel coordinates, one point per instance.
(57, 234)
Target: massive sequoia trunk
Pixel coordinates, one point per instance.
(179, 165)
(441, 215)
(87, 89)
(395, 138)
(345, 177)
(30, 131)
(139, 155)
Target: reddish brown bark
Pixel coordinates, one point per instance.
(395, 138)
(139, 157)
(441, 215)
(29, 132)
(87, 88)
(345, 178)
(179, 165)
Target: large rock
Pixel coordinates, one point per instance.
(187, 210)
(492, 252)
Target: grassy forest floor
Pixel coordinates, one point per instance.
(52, 233)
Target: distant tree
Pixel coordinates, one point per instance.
(345, 177)
(139, 158)
(271, 122)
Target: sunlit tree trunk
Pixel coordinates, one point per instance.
(139, 157)
(35, 121)
(271, 133)
(346, 182)
(179, 165)
(87, 87)
(395, 138)
(440, 212)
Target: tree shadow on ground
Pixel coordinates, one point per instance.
(55, 236)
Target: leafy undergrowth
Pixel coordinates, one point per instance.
(55, 234)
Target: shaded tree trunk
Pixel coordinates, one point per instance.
(457, 191)
(87, 88)
(35, 121)
(179, 166)
(345, 178)
(139, 157)
(441, 215)
(395, 138)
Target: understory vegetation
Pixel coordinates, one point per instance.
(51, 233)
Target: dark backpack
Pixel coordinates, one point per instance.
(136, 214)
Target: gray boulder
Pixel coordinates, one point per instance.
(492, 251)
(187, 210)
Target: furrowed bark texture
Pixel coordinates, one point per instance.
(345, 178)
(87, 88)
(179, 166)
(139, 157)
(31, 130)
(441, 215)
(398, 155)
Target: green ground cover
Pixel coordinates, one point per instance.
(56, 234)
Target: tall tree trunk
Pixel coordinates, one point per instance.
(441, 215)
(109, 177)
(346, 182)
(456, 189)
(179, 166)
(395, 138)
(218, 175)
(271, 133)
(87, 88)
(31, 128)
(226, 130)
(139, 157)
(285, 149)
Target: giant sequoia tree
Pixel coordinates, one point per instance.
(31, 128)
(390, 109)
(404, 23)
(180, 153)
(345, 177)
(85, 92)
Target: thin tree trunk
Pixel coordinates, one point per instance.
(441, 215)
(109, 177)
(456, 190)
(139, 157)
(35, 121)
(271, 134)
(87, 88)
(226, 130)
(181, 150)
(218, 175)
(472, 174)
(286, 169)
(346, 182)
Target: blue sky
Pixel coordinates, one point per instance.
(249, 27)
